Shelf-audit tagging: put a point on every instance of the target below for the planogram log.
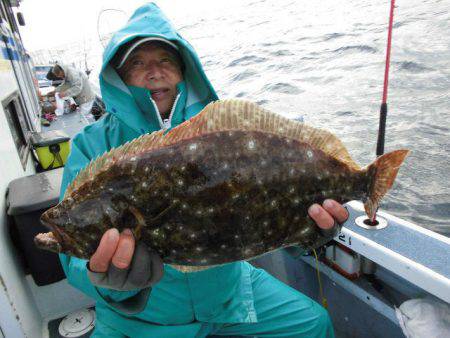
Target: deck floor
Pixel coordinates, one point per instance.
(71, 123)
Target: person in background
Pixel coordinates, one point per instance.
(152, 79)
(44, 121)
(75, 84)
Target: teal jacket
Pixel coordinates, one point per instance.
(129, 116)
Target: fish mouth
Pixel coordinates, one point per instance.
(47, 241)
(51, 241)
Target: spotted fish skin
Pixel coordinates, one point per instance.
(233, 209)
(218, 194)
(203, 204)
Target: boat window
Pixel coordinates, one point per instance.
(15, 116)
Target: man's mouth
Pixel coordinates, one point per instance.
(159, 94)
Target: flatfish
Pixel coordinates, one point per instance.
(232, 183)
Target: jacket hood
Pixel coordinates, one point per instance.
(149, 21)
(63, 66)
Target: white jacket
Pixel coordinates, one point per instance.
(76, 84)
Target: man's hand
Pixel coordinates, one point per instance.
(326, 215)
(114, 248)
(120, 264)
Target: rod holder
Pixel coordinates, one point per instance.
(366, 223)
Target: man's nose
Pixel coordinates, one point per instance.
(153, 71)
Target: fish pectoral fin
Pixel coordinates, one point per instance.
(164, 212)
(140, 221)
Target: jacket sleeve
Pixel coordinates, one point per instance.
(75, 268)
(76, 83)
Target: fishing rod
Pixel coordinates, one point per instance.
(384, 108)
(100, 37)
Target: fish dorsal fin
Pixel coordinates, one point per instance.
(115, 155)
(219, 116)
(246, 115)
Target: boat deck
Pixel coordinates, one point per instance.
(71, 123)
(410, 251)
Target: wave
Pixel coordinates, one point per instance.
(360, 48)
(412, 67)
(246, 60)
(243, 75)
(275, 43)
(333, 36)
(344, 113)
(282, 87)
(282, 52)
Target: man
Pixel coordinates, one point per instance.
(74, 84)
(152, 79)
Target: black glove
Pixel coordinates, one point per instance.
(145, 270)
(328, 235)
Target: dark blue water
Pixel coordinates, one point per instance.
(325, 60)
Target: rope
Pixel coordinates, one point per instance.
(322, 297)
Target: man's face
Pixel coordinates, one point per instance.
(59, 73)
(156, 69)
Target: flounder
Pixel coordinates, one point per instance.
(232, 183)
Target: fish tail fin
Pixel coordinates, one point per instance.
(384, 171)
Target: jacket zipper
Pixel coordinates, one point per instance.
(166, 123)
